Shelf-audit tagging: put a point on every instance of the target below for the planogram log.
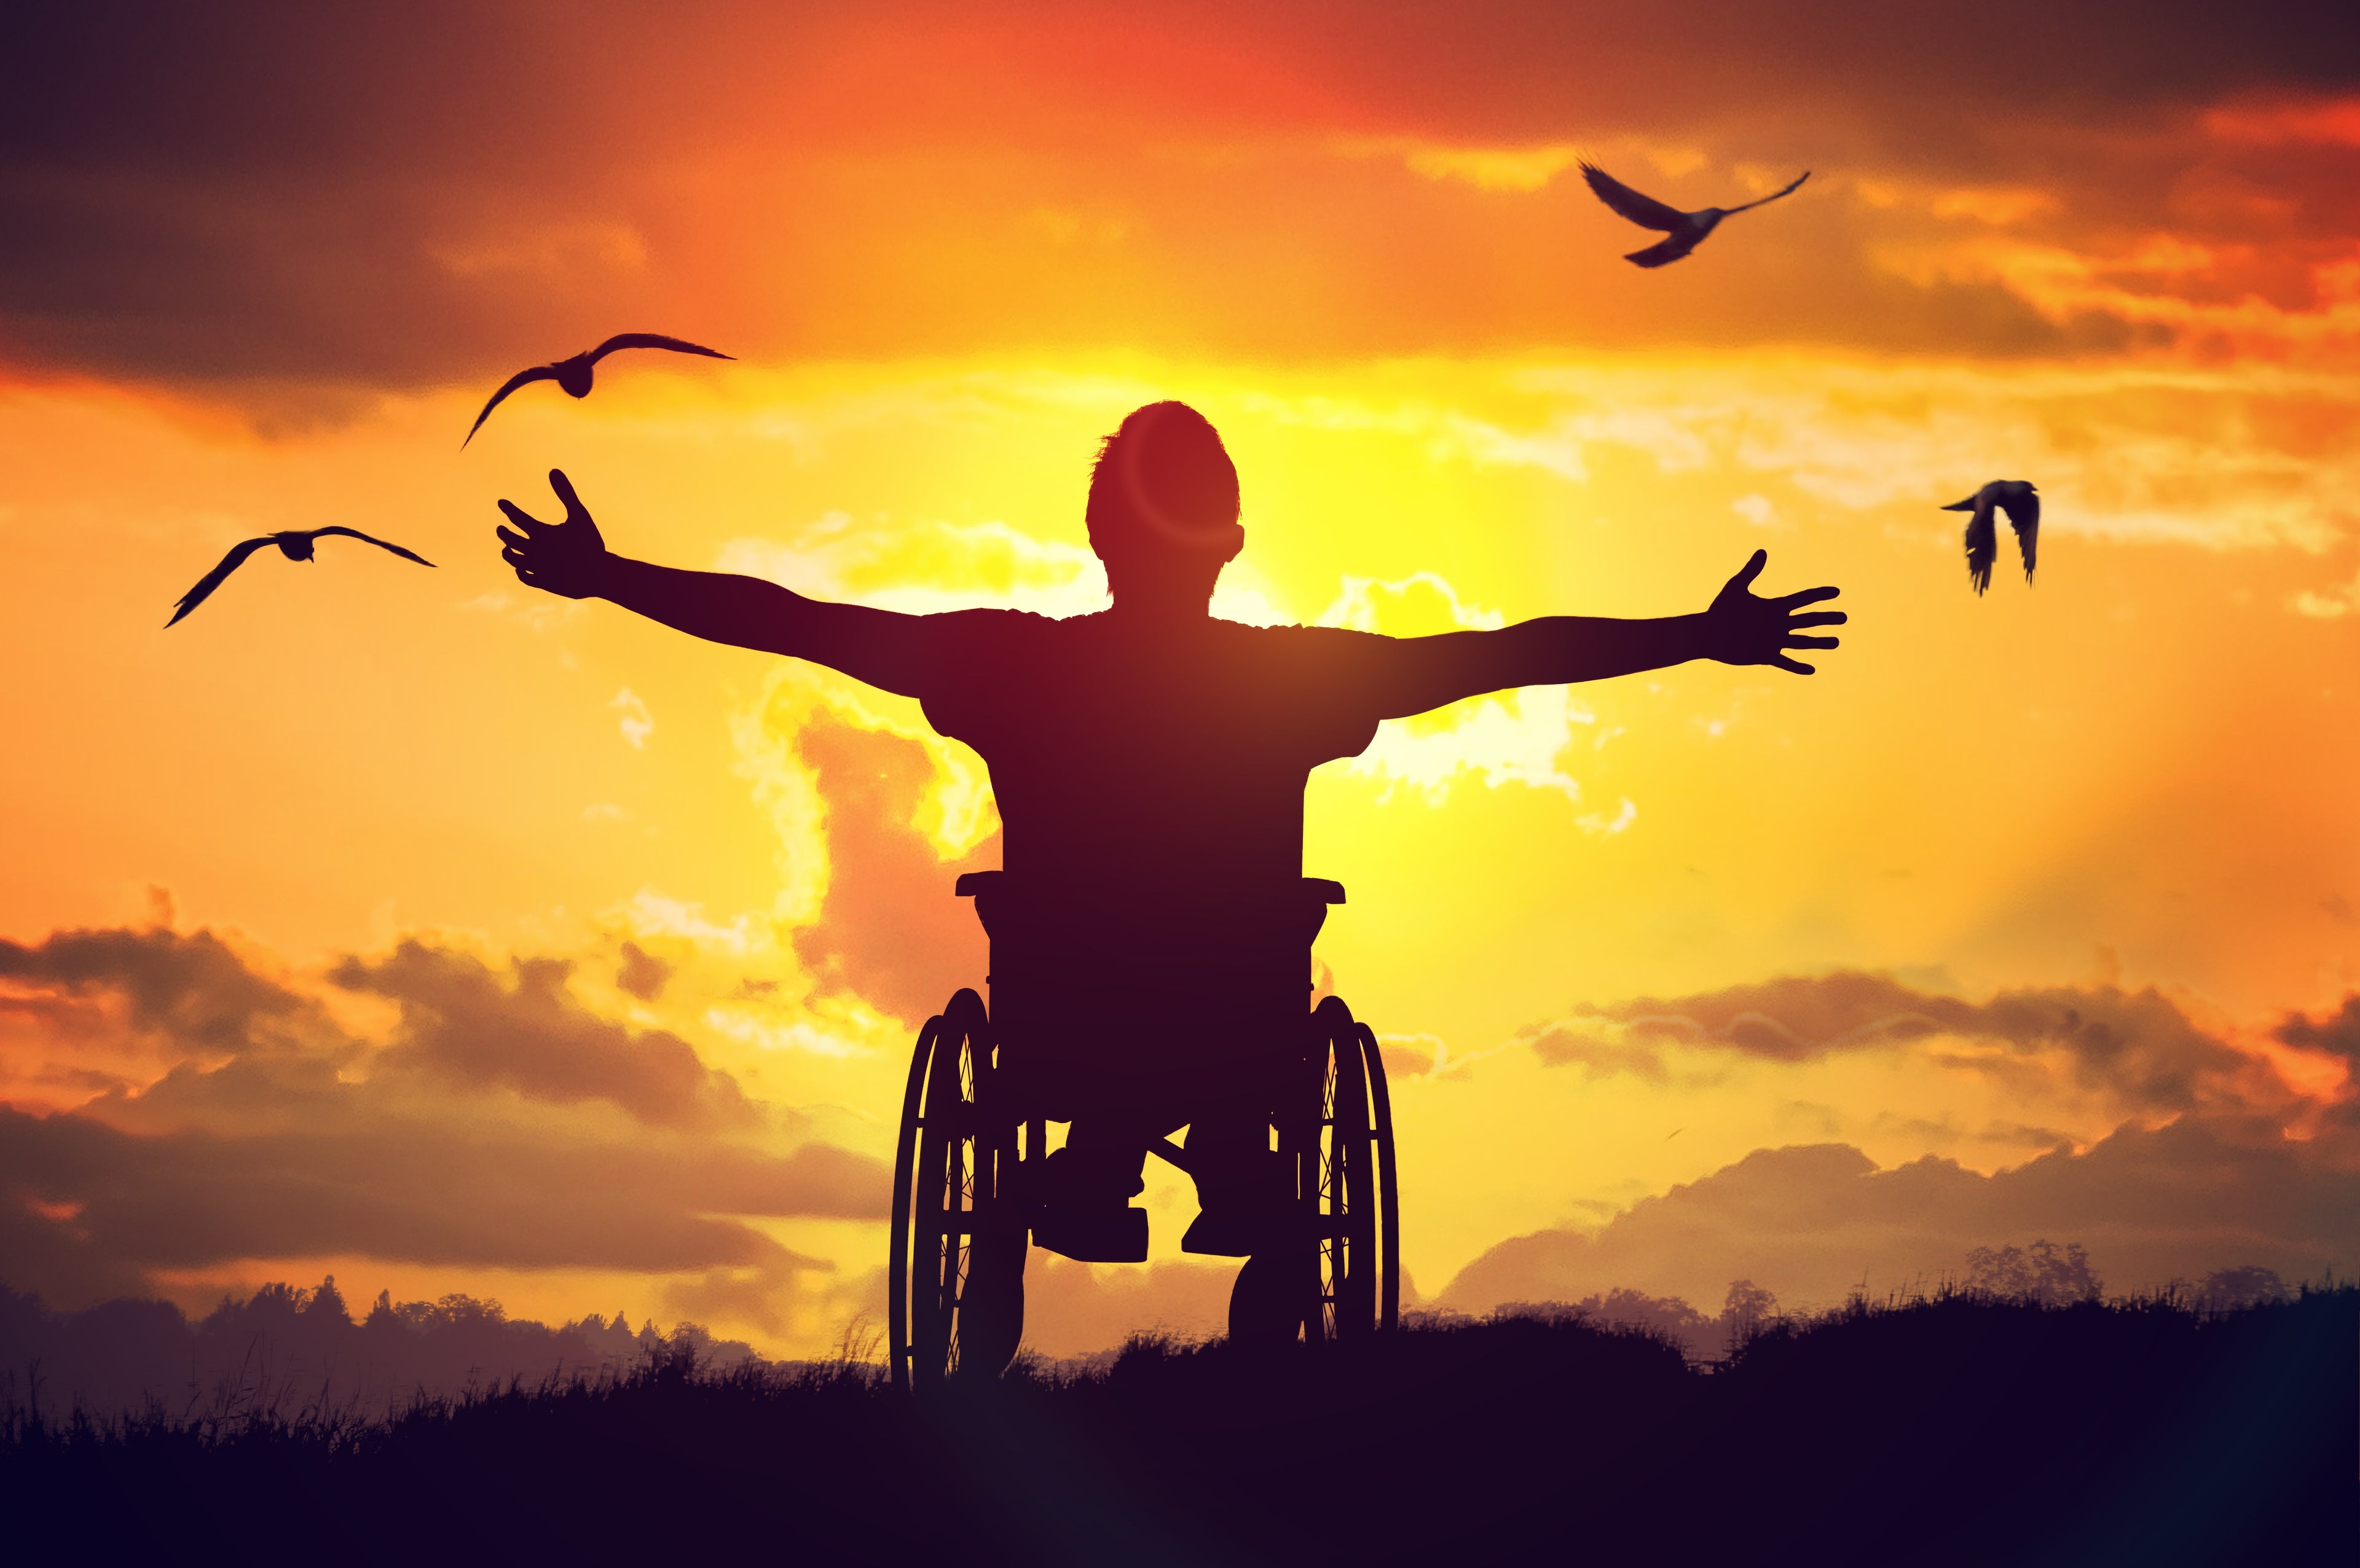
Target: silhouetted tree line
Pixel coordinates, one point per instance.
(1951, 1429)
(2043, 1274)
(289, 1350)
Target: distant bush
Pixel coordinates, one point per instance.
(2039, 1273)
(289, 1350)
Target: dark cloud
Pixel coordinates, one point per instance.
(264, 1140)
(193, 988)
(461, 1023)
(2138, 1044)
(409, 1191)
(642, 974)
(2337, 1034)
(396, 197)
(2182, 1201)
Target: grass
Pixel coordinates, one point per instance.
(1954, 1429)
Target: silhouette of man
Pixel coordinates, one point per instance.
(1152, 929)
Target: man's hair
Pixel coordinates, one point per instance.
(1164, 479)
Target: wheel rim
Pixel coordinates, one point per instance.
(1381, 1102)
(898, 1260)
(948, 1163)
(1348, 1178)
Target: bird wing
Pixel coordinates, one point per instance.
(1644, 211)
(1982, 545)
(521, 378)
(1663, 252)
(2023, 516)
(653, 340)
(381, 544)
(1772, 196)
(215, 579)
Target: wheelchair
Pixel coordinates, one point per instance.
(974, 1138)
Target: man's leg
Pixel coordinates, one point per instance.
(1250, 1207)
(991, 1302)
(1244, 1188)
(1086, 1190)
(1276, 1289)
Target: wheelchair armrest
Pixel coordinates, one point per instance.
(971, 884)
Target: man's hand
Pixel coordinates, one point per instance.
(565, 557)
(1741, 629)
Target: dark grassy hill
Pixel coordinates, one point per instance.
(1957, 1431)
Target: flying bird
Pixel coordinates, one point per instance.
(573, 374)
(295, 544)
(1686, 230)
(2021, 502)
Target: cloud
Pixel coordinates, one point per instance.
(193, 988)
(1812, 1223)
(1485, 168)
(1076, 1309)
(1518, 736)
(2217, 458)
(890, 930)
(97, 1011)
(2338, 1033)
(320, 197)
(2137, 1045)
(501, 1125)
(642, 975)
(876, 817)
(2338, 601)
(405, 1190)
(635, 721)
(462, 1025)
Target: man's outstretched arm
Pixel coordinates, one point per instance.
(1414, 674)
(880, 647)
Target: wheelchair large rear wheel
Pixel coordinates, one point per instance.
(956, 1276)
(1340, 1136)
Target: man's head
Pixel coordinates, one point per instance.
(1164, 504)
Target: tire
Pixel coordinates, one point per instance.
(1350, 1187)
(1343, 1284)
(956, 1275)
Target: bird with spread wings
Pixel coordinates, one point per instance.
(573, 375)
(2021, 502)
(1683, 231)
(295, 544)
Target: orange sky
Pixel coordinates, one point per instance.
(515, 946)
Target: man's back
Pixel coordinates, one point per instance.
(1163, 758)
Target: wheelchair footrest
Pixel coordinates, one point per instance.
(1092, 1235)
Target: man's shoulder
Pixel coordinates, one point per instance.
(980, 648)
(1314, 645)
(980, 627)
(985, 618)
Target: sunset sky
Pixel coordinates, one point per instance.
(419, 928)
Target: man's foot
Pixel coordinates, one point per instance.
(1095, 1233)
(1247, 1195)
(1079, 1208)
